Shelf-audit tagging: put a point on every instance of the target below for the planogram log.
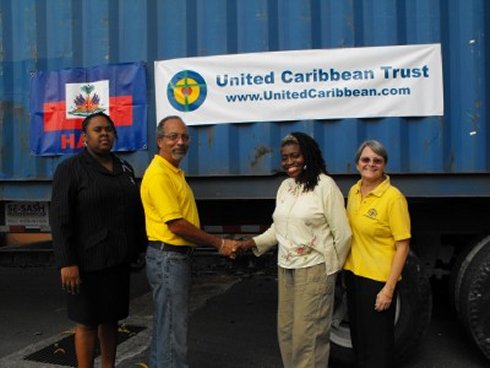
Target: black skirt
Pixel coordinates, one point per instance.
(103, 297)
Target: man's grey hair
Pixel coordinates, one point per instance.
(161, 124)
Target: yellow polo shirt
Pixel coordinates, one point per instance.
(377, 222)
(166, 196)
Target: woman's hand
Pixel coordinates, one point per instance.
(383, 300)
(70, 279)
(247, 244)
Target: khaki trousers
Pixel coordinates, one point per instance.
(305, 304)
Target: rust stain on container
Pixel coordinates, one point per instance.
(210, 136)
(259, 153)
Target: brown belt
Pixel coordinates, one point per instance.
(183, 249)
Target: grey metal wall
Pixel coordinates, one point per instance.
(54, 34)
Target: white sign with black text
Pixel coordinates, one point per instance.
(304, 84)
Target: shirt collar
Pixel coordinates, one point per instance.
(88, 159)
(379, 190)
(163, 162)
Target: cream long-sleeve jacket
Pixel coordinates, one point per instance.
(310, 227)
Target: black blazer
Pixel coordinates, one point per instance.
(97, 219)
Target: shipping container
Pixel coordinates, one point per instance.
(442, 164)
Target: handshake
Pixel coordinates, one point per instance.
(230, 248)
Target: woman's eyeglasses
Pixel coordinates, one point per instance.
(374, 160)
(175, 136)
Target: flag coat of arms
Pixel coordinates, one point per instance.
(60, 100)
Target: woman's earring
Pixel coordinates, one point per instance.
(85, 143)
(304, 167)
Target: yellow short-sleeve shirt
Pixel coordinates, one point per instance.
(377, 222)
(166, 196)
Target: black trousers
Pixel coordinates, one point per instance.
(372, 332)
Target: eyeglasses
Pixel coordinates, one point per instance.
(176, 136)
(374, 160)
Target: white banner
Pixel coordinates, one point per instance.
(305, 84)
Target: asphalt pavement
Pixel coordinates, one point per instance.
(232, 323)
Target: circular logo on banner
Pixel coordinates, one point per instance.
(186, 91)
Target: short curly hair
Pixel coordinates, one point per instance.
(88, 119)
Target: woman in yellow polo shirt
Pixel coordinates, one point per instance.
(380, 223)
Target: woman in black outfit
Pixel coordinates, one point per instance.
(98, 228)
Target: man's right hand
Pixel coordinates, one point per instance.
(229, 248)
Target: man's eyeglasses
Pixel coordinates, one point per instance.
(374, 160)
(176, 136)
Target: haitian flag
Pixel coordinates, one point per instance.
(60, 100)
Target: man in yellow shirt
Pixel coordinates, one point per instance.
(173, 229)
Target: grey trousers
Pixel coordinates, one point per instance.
(304, 317)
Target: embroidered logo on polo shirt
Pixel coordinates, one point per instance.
(372, 213)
